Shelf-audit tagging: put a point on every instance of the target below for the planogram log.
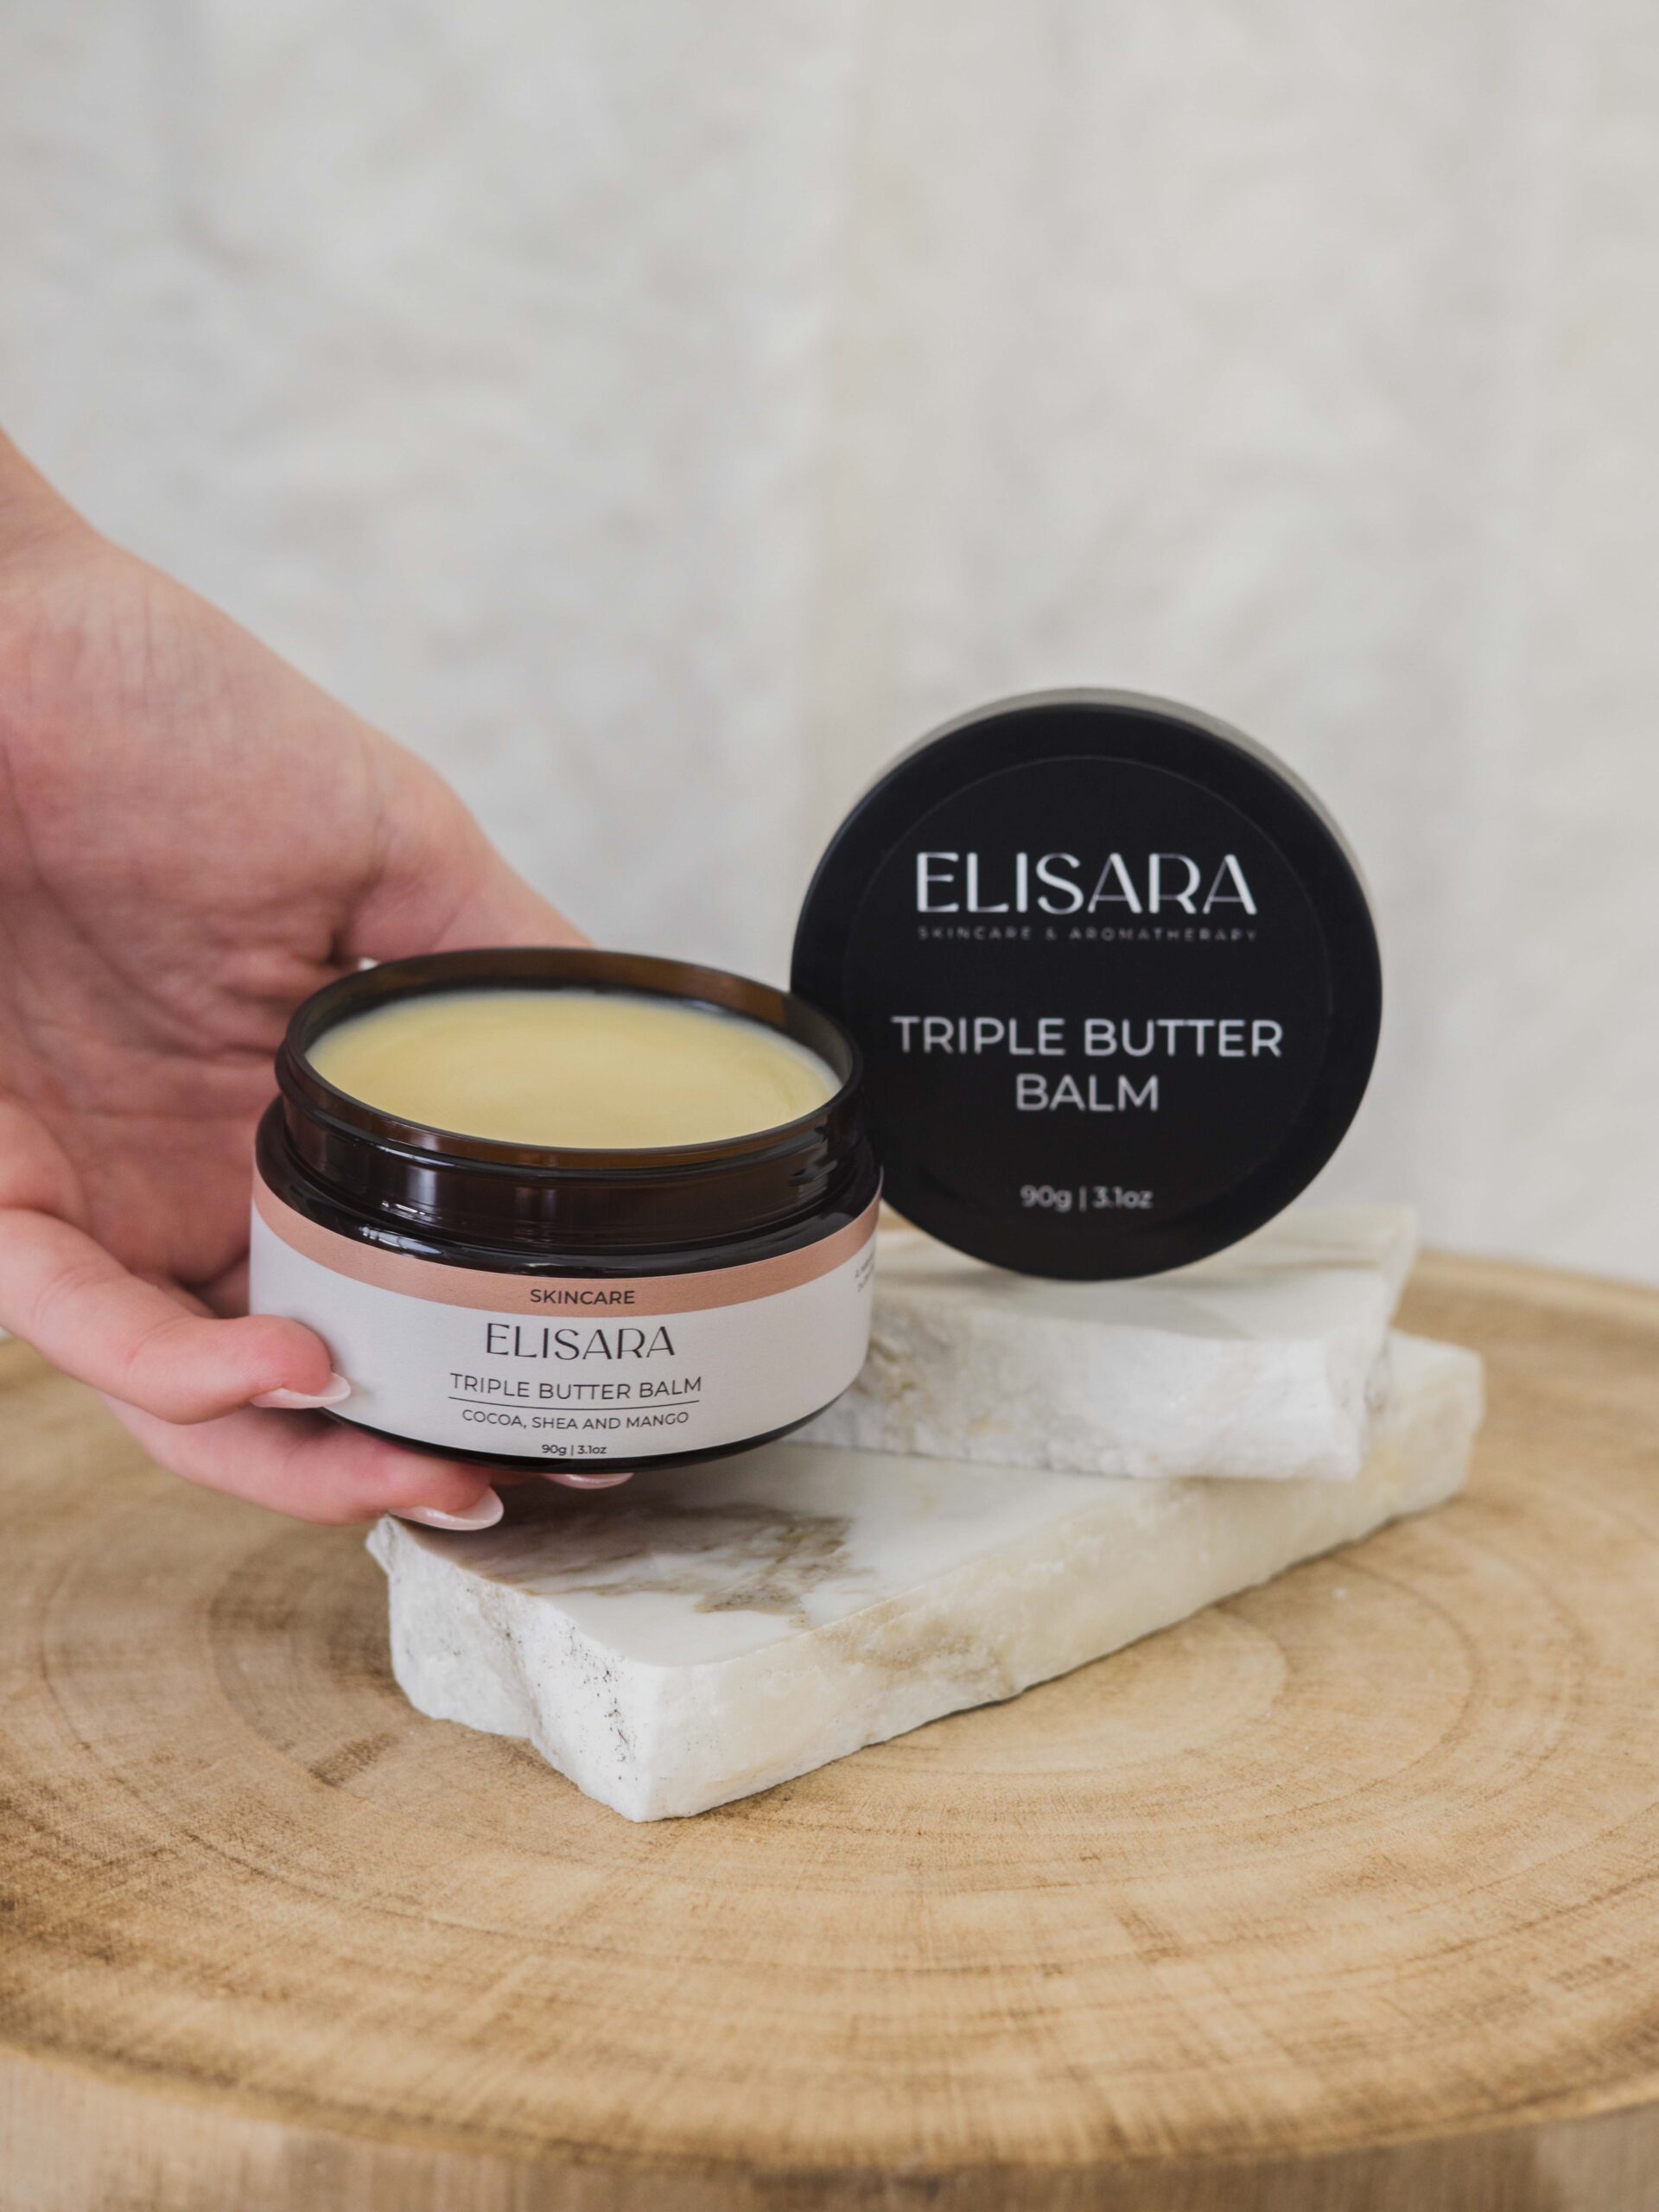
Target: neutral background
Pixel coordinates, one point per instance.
(657, 413)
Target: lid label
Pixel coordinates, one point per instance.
(1200, 1048)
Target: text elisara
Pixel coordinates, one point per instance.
(953, 883)
(512, 1340)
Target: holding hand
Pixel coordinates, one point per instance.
(193, 837)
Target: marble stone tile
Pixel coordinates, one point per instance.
(699, 1635)
(1269, 1359)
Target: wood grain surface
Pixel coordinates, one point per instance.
(1345, 1894)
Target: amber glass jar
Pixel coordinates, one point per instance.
(516, 1304)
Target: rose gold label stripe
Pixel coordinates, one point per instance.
(555, 1296)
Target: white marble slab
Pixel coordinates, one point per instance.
(699, 1635)
(1270, 1359)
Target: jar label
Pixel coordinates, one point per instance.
(615, 1369)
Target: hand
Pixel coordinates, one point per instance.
(192, 838)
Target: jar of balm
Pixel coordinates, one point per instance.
(571, 1208)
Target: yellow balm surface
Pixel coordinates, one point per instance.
(599, 1071)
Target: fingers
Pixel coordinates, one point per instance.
(316, 1470)
(64, 1296)
(186, 1385)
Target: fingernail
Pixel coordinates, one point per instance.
(485, 1515)
(298, 1401)
(591, 1482)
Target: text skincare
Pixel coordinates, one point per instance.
(572, 1207)
(611, 1070)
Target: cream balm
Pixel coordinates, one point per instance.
(570, 1208)
(588, 1070)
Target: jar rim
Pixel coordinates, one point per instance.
(561, 968)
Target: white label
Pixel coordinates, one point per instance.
(592, 1371)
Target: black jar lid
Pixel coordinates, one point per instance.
(1114, 975)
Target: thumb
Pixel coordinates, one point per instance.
(501, 908)
(30, 511)
(441, 885)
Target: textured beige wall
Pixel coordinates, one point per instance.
(656, 412)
